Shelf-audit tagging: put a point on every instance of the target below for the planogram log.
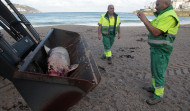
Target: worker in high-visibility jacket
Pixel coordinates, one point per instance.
(162, 33)
(109, 25)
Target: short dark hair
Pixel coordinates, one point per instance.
(110, 5)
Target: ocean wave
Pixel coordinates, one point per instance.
(46, 23)
(130, 21)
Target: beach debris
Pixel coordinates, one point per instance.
(102, 68)
(127, 49)
(134, 48)
(59, 61)
(121, 49)
(126, 56)
(141, 40)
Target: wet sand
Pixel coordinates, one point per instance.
(121, 86)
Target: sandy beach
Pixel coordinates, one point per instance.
(121, 83)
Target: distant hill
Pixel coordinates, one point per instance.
(25, 9)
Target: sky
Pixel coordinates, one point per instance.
(84, 5)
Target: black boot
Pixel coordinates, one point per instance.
(152, 101)
(109, 60)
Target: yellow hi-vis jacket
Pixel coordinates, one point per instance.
(164, 42)
(109, 26)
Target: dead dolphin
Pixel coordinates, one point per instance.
(59, 61)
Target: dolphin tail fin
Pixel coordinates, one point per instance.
(73, 67)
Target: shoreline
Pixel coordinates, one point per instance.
(1, 29)
(97, 25)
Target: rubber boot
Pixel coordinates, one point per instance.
(152, 101)
(109, 59)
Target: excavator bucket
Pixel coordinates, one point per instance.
(25, 64)
(44, 92)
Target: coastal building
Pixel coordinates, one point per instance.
(19, 9)
(150, 7)
(186, 5)
(181, 4)
(177, 5)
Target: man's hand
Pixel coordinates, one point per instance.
(119, 32)
(99, 36)
(142, 17)
(118, 36)
(155, 31)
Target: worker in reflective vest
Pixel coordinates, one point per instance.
(109, 25)
(163, 30)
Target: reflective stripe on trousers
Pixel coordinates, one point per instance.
(158, 91)
(108, 53)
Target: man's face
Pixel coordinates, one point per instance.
(160, 5)
(111, 9)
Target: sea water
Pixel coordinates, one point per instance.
(85, 18)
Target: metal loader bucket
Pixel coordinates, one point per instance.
(51, 93)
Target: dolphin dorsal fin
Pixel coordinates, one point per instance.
(47, 49)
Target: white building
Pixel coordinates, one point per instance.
(177, 4)
(186, 5)
(152, 5)
(21, 9)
